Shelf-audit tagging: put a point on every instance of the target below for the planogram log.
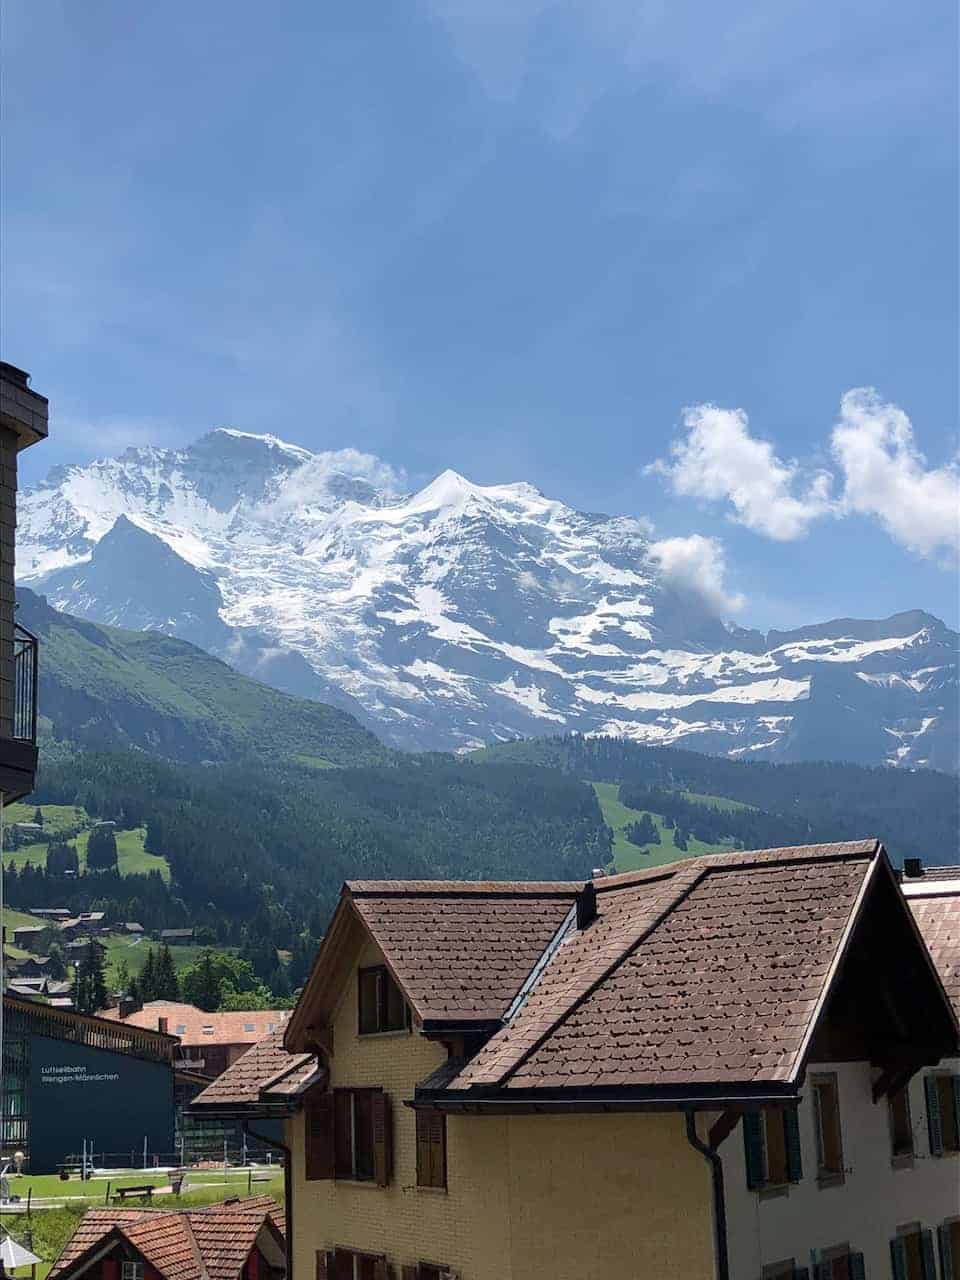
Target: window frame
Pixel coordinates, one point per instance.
(826, 1175)
(376, 1167)
(948, 1248)
(942, 1111)
(131, 1270)
(385, 984)
(792, 1162)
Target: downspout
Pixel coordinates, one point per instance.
(712, 1156)
(287, 1190)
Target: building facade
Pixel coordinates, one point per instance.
(683, 1072)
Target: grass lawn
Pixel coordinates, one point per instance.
(630, 857)
(46, 1231)
(18, 920)
(132, 857)
(120, 947)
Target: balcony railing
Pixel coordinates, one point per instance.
(25, 678)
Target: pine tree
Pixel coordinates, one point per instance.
(90, 982)
(148, 978)
(168, 984)
(101, 849)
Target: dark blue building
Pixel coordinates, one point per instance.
(70, 1079)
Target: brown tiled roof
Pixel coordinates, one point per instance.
(461, 951)
(938, 919)
(707, 970)
(242, 1082)
(200, 1244)
(227, 1028)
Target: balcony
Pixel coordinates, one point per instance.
(18, 716)
(25, 678)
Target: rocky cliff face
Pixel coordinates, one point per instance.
(460, 615)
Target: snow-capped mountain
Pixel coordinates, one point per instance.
(461, 614)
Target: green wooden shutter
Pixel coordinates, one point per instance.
(898, 1258)
(753, 1149)
(929, 1257)
(946, 1251)
(791, 1133)
(856, 1266)
(934, 1124)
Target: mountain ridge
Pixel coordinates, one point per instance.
(465, 614)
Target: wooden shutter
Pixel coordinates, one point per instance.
(423, 1149)
(326, 1265)
(934, 1124)
(791, 1132)
(341, 1264)
(945, 1233)
(898, 1259)
(801, 1273)
(823, 1271)
(438, 1148)
(411, 1271)
(343, 1133)
(318, 1138)
(382, 1139)
(380, 1269)
(856, 1266)
(955, 1081)
(753, 1149)
(929, 1256)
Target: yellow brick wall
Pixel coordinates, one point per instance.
(529, 1197)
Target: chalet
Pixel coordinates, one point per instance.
(177, 937)
(26, 936)
(687, 1071)
(29, 966)
(58, 914)
(236, 1240)
(79, 946)
(86, 922)
(132, 928)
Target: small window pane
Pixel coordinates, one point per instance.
(827, 1113)
(901, 1126)
(948, 1114)
(369, 1001)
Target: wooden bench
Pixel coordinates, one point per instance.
(143, 1193)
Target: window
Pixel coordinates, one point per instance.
(948, 1235)
(826, 1109)
(771, 1141)
(943, 1113)
(181, 1029)
(912, 1254)
(427, 1271)
(431, 1149)
(362, 1135)
(248, 1026)
(131, 1271)
(381, 1006)
(839, 1263)
(782, 1271)
(207, 1031)
(346, 1264)
(901, 1124)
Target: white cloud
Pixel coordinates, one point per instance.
(697, 565)
(314, 483)
(886, 475)
(719, 460)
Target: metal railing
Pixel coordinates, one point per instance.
(25, 679)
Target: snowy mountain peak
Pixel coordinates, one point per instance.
(465, 613)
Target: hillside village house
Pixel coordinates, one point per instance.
(209, 1042)
(717, 1068)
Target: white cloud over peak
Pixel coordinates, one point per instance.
(886, 475)
(879, 473)
(697, 565)
(719, 460)
(310, 484)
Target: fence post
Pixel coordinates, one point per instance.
(29, 1199)
(106, 1198)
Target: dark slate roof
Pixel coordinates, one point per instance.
(266, 1063)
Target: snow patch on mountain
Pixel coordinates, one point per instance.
(463, 613)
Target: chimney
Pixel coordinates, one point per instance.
(586, 905)
(128, 1006)
(913, 868)
(162, 1025)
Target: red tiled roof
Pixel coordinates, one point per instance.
(201, 1244)
(707, 970)
(246, 1027)
(936, 910)
(242, 1082)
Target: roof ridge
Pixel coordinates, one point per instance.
(580, 984)
(461, 888)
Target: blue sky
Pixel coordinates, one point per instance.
(526, 240)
